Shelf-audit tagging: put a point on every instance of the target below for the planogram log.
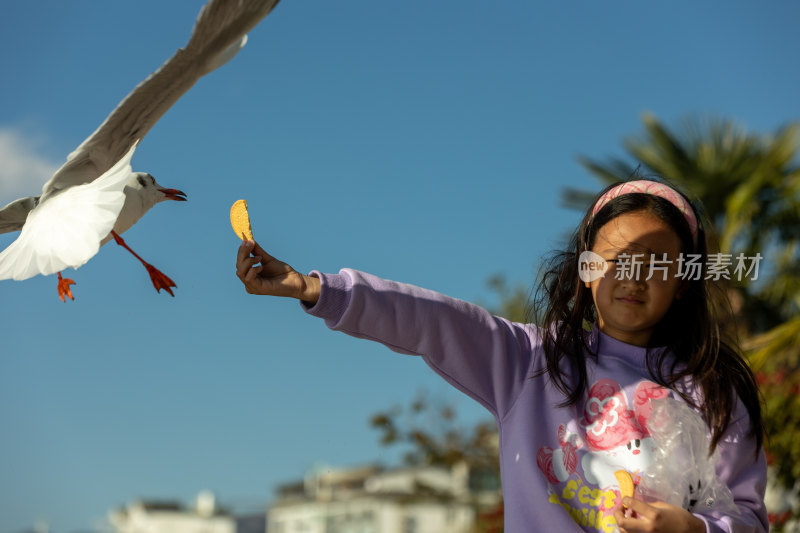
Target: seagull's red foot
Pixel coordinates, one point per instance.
(159, 279)
(63, 288)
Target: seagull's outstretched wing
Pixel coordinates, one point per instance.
(66, 230)
(219, 33)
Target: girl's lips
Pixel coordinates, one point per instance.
(630, 300)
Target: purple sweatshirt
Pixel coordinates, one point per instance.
(557, 464)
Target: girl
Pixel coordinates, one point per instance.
(573, 396)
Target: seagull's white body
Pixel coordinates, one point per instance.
(96, 191)
(67, 229)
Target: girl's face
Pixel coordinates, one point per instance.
(629, 308)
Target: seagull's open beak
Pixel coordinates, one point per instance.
(174, 194)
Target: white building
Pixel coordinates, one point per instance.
(171, 517)
(373, 500)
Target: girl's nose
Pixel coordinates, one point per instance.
(639, 283)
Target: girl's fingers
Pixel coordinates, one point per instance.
(251, 274)
(640, 508)
(244, 266)
(630, 516)
(271, 276)
(244, 251)
(258, 250)
(619, 516)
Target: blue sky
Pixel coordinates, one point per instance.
(426, 142)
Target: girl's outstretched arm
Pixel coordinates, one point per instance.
(263, 274)
(487, 357)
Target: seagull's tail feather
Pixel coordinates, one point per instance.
(66, 230)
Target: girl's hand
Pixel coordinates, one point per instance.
(272, 277)
(656, 517)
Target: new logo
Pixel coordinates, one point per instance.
(591, 266)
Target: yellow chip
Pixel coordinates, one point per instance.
(240, 220)
(625, 483)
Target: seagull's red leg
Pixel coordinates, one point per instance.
(63, 287)
(159, 279)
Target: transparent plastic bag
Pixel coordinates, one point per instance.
(682, 473)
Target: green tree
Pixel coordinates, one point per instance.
(514, 302)
(431, 435)
(429, 431)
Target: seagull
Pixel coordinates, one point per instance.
(95, 196)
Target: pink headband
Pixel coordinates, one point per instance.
(656, 189)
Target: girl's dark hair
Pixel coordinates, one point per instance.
(696, 330)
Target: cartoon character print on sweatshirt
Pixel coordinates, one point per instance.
(610, 434)
(616, 435)
(557, 465)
